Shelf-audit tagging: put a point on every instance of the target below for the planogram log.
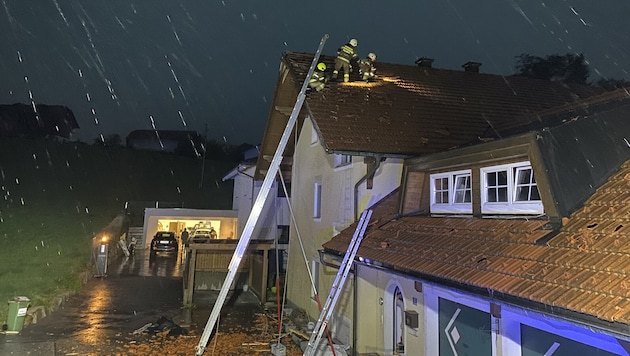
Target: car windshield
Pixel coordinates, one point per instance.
(202, 232)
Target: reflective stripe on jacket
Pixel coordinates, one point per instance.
(346, 53)
(317, 77)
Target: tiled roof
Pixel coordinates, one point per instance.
(410, 110)
(418, 110)
(584, 269)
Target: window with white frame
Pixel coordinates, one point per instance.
(342, 160)
(317, 200)
(510, 189)
(451, 192)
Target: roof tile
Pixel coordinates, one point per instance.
(584, 268)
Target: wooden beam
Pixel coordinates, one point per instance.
(188, 295)
(265, 271)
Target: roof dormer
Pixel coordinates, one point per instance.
(496, 178)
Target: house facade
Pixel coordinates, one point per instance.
(511, 247)
(348, 151)
(329, 187)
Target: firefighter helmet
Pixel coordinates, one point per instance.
(354, 42)
(321, 66)
(372, 57)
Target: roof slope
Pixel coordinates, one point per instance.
(411, 110)
(585, 268)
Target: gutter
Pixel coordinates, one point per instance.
(367, 175)
(620, 330)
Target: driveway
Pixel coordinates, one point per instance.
(139, 290)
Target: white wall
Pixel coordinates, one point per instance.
(273, 213)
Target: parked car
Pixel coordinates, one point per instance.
(200, 236)
(164, 241)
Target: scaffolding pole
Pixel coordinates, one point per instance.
(270, 177)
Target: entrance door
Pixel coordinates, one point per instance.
(398, 332)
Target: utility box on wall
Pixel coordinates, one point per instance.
(411, 319)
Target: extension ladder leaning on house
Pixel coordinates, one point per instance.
(336, 288)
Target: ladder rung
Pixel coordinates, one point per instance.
(340, 279)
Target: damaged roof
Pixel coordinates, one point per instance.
(410, 110)
(581, 270)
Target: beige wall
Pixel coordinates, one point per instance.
(374, 305)
(312, 164)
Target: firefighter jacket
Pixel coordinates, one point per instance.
(366, 66)
(347, 53)
(318, 80)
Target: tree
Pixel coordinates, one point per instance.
(612, 84)
(109, 140)
(570, 68)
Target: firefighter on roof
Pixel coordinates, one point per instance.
(319, 79)
(366, 67)
(345, 54)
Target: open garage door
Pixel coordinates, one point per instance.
(225, 222)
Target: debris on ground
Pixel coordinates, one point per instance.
(253, 339)
(161, 325)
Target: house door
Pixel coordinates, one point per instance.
(398, 325)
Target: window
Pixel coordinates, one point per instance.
(342, 160)
(463, 190)
(451, 192)
(526, 189)
(317, 200)
(509, 189)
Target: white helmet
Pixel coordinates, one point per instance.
(354, 42)
(372, 57)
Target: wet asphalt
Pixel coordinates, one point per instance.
(137, 290)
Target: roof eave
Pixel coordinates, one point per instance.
(621, 330)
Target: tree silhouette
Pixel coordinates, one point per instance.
(109, 140)
(570, 68)
(612, 84)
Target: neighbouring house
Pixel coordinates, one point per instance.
(188, 143)
(37, 121)
(272, 224)
(351, 141)
(511, 247)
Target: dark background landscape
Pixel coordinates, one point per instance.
(55, 196)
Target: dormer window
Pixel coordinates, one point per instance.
(451, 192)
(510, 189)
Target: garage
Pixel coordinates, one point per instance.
(176, 219)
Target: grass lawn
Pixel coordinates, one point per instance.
(43, 259)
(54, 197)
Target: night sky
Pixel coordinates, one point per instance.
(173, 65)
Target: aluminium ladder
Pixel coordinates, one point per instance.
(257, 207)
(336, 288)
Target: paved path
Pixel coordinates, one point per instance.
(136, 291)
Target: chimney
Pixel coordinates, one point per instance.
(424, 62)
(472, 67)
